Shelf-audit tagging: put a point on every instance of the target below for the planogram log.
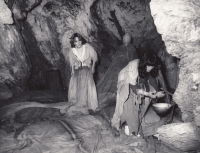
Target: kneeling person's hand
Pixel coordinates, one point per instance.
(160, 94)
(152, 95)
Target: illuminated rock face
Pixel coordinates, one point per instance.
(5, 14)
(181, 136)
(14, 61)
(179, 24)
(13, 57)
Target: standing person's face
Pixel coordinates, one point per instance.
(149, 68)
(77, 42)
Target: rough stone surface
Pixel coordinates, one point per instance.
(17, 11)
(179, 135)
(197, 115)
(5, 14)
(179, 26)
(21, 8)
(13, 58)
(180, 30)
(5, 92)
(135, 18)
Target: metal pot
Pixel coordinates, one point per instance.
(162, 109)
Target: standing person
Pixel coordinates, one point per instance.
(138, 86)
(82, 89)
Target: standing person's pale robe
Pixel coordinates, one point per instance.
(82, 89)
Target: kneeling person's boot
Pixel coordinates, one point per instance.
(126, 130)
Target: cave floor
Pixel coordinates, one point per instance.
(45, 130)
(88, 135)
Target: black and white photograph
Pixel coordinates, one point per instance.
(99, 76)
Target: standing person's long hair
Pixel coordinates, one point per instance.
(72, 39)
(150, 59)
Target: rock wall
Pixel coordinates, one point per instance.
(5, 14)
(179, 24)
(135, 18)
(180, 136)
(14, 61)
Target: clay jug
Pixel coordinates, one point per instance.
(126, 38)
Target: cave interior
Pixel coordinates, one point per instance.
(35, 73)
